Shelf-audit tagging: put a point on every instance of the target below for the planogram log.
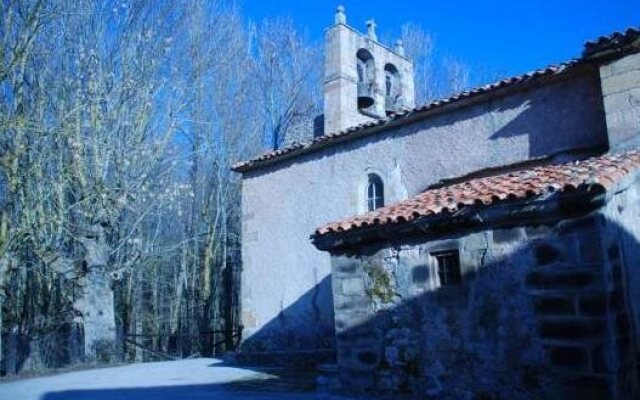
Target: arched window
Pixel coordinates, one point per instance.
(375, 193)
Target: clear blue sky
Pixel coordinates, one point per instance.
(499, 36)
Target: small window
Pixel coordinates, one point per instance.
(448, 267)
(375, 193)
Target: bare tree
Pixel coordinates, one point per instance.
(435, 75)
(119, 121)
(289, 79)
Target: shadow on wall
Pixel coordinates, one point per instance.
(545, 312)
(300, 335)
(567, 132)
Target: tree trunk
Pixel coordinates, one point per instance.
(138, 308)
(97, 303)
(96, 306)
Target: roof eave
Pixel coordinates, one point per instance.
(461, 100)
(539, 209)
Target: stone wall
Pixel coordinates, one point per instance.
(622, 244)
(620, 80)
(541, 313)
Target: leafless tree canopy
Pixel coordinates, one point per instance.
(119, 215)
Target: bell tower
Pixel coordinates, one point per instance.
(364, 79)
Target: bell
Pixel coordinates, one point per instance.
(365, 95)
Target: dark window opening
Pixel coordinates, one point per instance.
(392, 92)
(360, 72)
(375, 193)
(448, 267)
(388, 85)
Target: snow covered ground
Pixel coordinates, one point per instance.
(173, 380)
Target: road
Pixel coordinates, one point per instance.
(173, 380)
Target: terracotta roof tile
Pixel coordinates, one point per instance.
(604, 171)
(613, 41)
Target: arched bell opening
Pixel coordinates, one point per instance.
(366, 78)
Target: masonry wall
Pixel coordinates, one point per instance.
(621, 93)
(541, 314)
(622, 243)
(286, 286)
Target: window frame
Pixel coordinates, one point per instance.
(449, 274)
(374, 194)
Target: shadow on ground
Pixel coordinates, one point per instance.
(265, 383)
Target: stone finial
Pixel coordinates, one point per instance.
(400, 47)
(341, 17)
(371, 30)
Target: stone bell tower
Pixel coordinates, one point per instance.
(364, 79)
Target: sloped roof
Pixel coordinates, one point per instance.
(615, 42)
(398, 118)
(603, 171)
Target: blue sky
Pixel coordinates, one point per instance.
(499, 36)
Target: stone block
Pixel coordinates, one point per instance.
(616, 299)
(554, 305)
(571, 328)
(357, 381)
(593, 305)
(616, 272)
(623, 100)
(344, 265)
(606, 71)
(501, 236)
(537, 231)
(599, 359)
(625, 64)
(547, 253)
(351, 303)
(588, 387)
(621, 82)
(590, 248)
(558, 278)
(569, 356)
(349, 319)
(352, 286)
(623, 327)
(367, 358)
(613, 252)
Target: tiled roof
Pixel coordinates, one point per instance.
(603, 171)
(615, 41)
(399, 117)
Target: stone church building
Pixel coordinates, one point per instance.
(481, 245)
